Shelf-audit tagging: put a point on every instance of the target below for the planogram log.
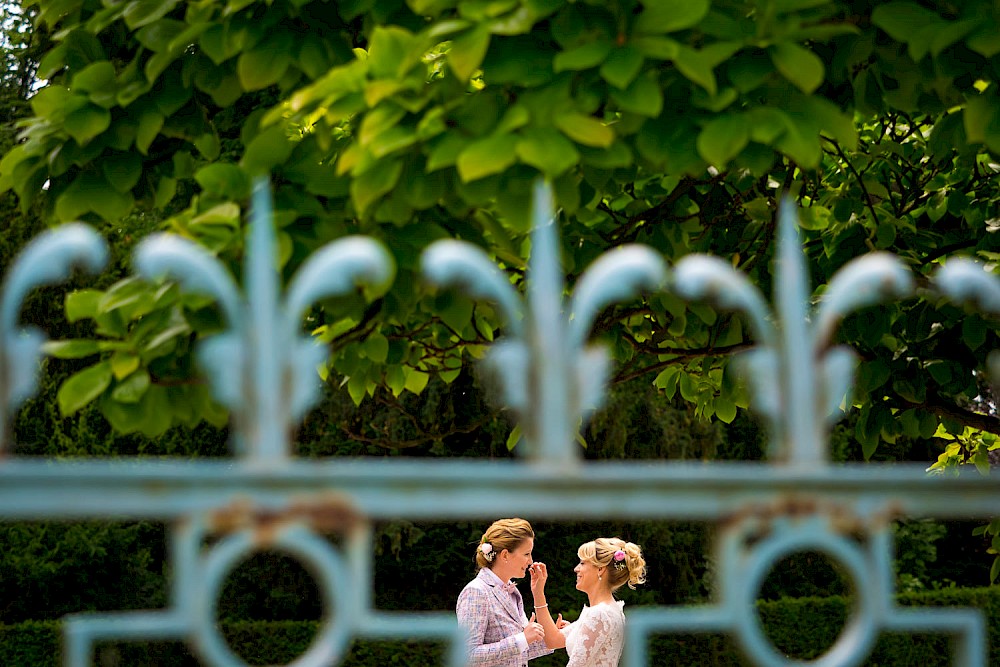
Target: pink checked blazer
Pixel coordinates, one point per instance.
(491, 619)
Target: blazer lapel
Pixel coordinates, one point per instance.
(505, 599)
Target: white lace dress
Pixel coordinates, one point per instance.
(597, 637)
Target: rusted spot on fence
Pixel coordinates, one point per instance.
(324, 513)
(756, 519)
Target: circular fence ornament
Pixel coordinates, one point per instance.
(319, 557)
(787, 537)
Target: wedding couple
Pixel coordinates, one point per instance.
(491, 609)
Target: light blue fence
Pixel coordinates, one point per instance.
(264, 371)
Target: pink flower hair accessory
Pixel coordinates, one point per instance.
(487, 550)
(619, 560)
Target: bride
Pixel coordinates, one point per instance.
(597, 637)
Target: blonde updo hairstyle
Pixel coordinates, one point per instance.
(503, 534)
(601, 553)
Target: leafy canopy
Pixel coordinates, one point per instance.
(674, 123)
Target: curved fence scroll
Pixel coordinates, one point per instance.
(322, 512)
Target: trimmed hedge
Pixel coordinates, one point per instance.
(801, 627)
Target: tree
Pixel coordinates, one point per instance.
(675, 123)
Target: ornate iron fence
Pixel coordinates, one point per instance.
(263, 370)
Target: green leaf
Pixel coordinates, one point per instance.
(415, 380)
(166, 188)
(395, 379)
(986, 40)
(375, 182)
(832, 121)
(689, 390)
(643, 97)
(208, 145)
(141, 12)
(392, 51)
(468, 50)
(269, 148)
(150, 124)
(357, 387)
(157, 410)
(87, 122)
(124, 364)
(697, 68)
(982, 462)
(122, 170)
(799, 65)
(458, 312)
(55, 101)
(223, 180)
(950, 33)
(485, 157)
(658, 48)
(868, 437)
(164, 342)
(902, 20)
(973, 332)
(266, 64)
(980, 112)
(445, 151)
(660, 16)
(83, 387)
(82, 304)
(940, 371)
(885, 236)
(723, 138)
(622, 66)
(132, 389)
(91, 192)
(214, 42)
(514, 437)
(98, 80)
(379, 120)
(766, 124)
(800, 140)
(585, 130)
(590, 54)
(815, 217)
(158, 35)
(725, 410)
(376, 347)
(70, 349)
(546, 150)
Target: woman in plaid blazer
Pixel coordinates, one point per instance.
(490, 608)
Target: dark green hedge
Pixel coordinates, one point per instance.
(802, 627)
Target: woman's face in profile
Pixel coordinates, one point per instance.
(586, 576)
(520, 558)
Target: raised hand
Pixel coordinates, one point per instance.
(539, 575)
(560, 623)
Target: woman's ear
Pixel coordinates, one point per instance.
(504, 554)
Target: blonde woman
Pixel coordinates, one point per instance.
(595, 639)
(490, 607)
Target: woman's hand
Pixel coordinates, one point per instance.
(539, 575)
(560, 623)
(533, 631)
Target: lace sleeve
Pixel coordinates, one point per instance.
(596, 638)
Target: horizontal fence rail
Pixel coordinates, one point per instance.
(468, 490)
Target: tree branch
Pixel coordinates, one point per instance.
(946, 410)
